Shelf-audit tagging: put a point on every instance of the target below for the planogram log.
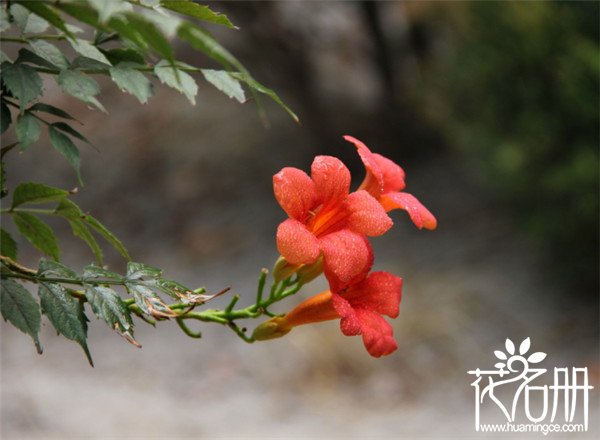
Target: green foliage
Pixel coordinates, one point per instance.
(128, 39)
(521, 89)
(21, 310)
(38, 233)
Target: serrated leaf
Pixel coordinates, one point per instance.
(195, 10)
(93, 272)
(203, 41)
(136, 271)
(27, 56)
(5, 117)
(177, 79)
(20, 309)
(165, 21)
(108, 306)
(88, 50)
(50, 53)
(49, 268)
(81, 230)
(132, 81)
(255, 85)
(107, 9)
(63, 126)
(173, 288)
(525, 345)
(38, 233)
(149, 302)
(8, 247)
(109, 236)
(225, 83)
(151, 35)
(82, 63)
(48, 14)
(66, 208)
(23, 82)
(65, 313)
(47, 108)
(27, 22)
(80, 86)
(115, 56)
(28, 130)
(66, 147)
(36, 193)
(536, 357)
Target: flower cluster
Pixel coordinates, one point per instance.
(327, 232)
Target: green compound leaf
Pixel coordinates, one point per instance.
(88, 50)
(131, 81)
(20, 309)
(28, 130)
(108, 236)
(107, 9)
(63, 126)
(195, 10)
(48, 14)
(177, 79)
(223, 81)
(27, 22)
(135, 271)
(65, 313)
(200, 39)
(80, 86)
(81, 230)
(109, 307)
(66, 208)
(47, 108)
(50, 53)
(22, 81)
(115, 56)
(8, 247)
(5, 117)
(151, 35)
(66, 147)
(93, 272)
(27, 56)
(51, 268)
(38, 233)
(36, 193)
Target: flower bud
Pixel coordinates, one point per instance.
(284, 269)
(271, 329)
(309, 272)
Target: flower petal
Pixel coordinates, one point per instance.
(317, 308)
(347, 258)
(295, 192)
(296, 243)
(420, 215)
(367, 216)
(377, 333)
(373, 182)
(380, 292)
(349, 324)
(331, 179)
(393, 175)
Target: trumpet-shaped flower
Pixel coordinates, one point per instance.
(385, 181)
(326, 219)
(360, 307)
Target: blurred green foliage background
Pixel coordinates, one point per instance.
(517, 95)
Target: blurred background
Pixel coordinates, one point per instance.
(492, 110)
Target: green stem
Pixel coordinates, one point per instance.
(29, 210)
(27, 40)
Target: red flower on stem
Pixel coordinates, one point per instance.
(385, 181)
(360, 307)
(325, 218)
